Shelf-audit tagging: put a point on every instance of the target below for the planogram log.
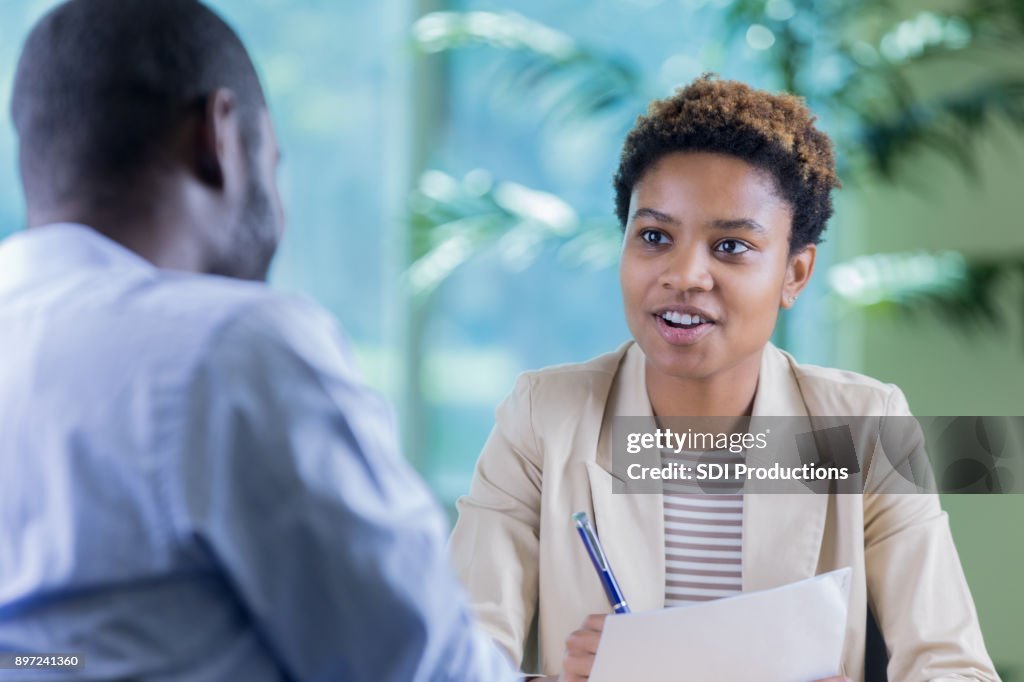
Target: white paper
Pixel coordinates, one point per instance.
(792, 633)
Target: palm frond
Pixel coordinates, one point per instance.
(949, 124)
(443, 31)
(453, 220)
(963, 291)
(548, 71)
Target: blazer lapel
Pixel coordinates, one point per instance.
(782, 532)
(630, 525)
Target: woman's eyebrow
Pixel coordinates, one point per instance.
(719, 223)
(738, 224)
(654, 214)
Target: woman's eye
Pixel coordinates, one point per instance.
(654, 237)
(731, 247)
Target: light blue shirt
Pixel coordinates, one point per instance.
(195, 485)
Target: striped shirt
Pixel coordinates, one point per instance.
(703, 536)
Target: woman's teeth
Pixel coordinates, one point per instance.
(680, 319)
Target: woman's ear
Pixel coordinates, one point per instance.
(798, 274)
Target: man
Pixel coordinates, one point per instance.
(194, 484)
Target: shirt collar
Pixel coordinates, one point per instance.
(55, 249)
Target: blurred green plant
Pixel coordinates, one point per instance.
(853, 61)
(562, 80)
(947, 284)
(452, 220)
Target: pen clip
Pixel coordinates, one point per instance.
(583, 523)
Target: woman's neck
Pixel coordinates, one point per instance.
(729, 393)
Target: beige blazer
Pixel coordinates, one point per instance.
(549, 455)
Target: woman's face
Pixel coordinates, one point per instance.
(707, 236)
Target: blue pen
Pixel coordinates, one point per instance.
(601, 565)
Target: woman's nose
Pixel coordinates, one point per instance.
(687, 269)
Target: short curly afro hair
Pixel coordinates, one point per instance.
(773, 132)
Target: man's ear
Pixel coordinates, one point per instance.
(215, 123)
(798, 274)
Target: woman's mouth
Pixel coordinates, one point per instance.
(682, 329)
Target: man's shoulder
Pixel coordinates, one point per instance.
(206, 301)
(208, 317)
(205, 296)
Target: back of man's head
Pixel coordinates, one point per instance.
(103, 84)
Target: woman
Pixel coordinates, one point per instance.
(723, 193)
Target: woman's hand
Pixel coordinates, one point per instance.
(580, 648)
